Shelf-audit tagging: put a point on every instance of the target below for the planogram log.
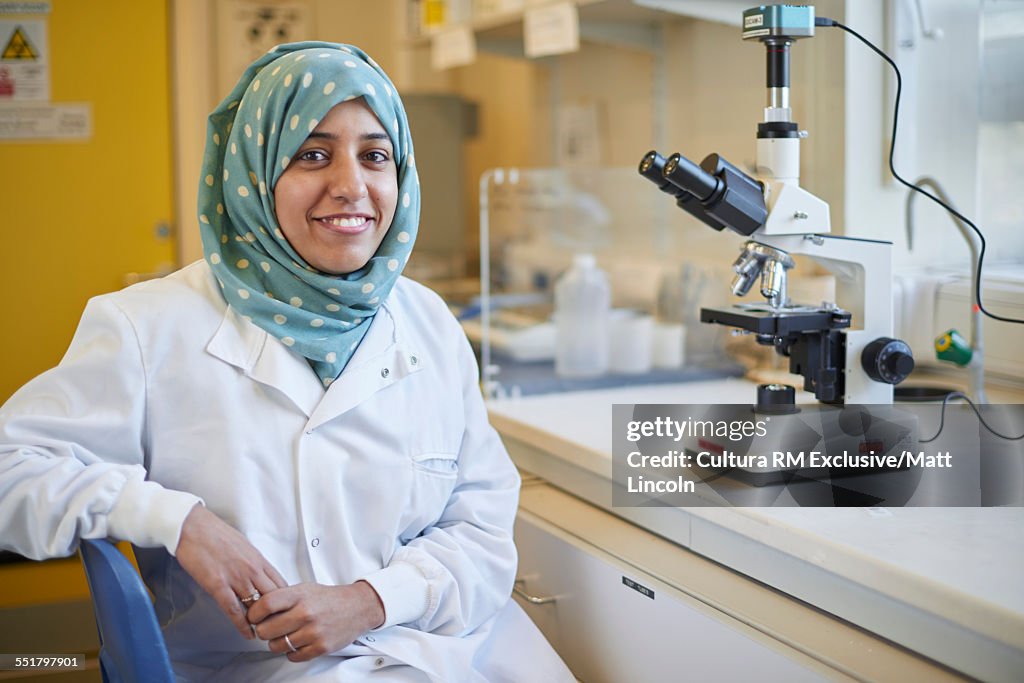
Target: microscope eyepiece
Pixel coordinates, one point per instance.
(651, 168)
(688, 176)
(715, 192)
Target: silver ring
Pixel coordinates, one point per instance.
(249, 599)
(289, 644)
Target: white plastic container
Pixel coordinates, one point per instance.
(669, 346)
(631, 342)
(582, 304)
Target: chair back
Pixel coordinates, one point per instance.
(131, 645)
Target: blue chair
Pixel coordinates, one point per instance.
(132, 647)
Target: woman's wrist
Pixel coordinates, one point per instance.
(372, 608)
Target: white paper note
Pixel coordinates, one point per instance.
(551, 30)
(453, 47)
(46, 122)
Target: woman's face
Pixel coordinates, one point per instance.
(336, 199)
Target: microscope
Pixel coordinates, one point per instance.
(846, 354)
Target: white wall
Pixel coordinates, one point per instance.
(945, 130)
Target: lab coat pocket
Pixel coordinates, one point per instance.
(439, 464)
(434, 477)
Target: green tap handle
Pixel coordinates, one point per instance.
(952, 347)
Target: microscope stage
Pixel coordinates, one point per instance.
(777, 322)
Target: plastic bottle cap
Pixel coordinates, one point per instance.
(584, 260)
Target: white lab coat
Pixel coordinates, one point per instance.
(393, 475)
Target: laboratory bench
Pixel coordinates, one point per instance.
(868, 593)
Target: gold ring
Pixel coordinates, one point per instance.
(249, 599)
(288, 642)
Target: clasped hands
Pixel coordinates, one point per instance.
(302, 621)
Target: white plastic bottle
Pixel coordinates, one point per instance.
(582, 304)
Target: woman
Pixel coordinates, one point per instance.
(289, 432)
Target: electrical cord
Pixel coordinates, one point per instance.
(824, 21)
(942, 418)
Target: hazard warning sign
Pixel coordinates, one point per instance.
(18, 47)
(24, 61)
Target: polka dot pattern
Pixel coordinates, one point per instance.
(251, 139)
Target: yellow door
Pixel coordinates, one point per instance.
(76, 216)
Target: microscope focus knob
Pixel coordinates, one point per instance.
(887, 360)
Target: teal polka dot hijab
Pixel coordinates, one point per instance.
(250, 139)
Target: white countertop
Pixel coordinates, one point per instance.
(946, 582)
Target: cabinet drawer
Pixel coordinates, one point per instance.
(611, 623)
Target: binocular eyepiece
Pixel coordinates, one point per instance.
(715, 192)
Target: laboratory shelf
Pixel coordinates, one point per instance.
(630, 24)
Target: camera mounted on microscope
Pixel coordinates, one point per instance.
(845, 354)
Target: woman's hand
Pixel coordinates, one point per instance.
(225, 564)
(317, 619)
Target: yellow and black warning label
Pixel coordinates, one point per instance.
(24, 60)
(19, 47)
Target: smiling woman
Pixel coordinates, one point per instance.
(289, 432)
(336, 200)
(305, 145)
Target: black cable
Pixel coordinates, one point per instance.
(942, 418)
(823, 21)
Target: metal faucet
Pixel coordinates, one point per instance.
(977, 364)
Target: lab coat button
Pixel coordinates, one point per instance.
(384, 373)
(379, 661)
(414, 360)
(315, 542)
(371, 639)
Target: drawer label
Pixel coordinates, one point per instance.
(638, 587)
